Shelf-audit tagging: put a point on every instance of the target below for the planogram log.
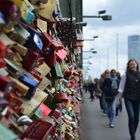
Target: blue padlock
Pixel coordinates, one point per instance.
(29, 17)
(31, 83)
(34, 41)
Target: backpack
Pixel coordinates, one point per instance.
(113, 91)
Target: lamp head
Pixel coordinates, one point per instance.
(81, 24)
(101, 12)
(95, 36)
(94, 51)
(106, 17)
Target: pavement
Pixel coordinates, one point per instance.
(94, 125)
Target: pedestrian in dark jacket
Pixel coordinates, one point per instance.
(91, 89)
(130, 88)
(103, 104)
(110, 88)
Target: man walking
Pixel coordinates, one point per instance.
(110, 88)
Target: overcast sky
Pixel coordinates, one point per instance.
(125, 22)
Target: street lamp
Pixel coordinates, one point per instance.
(103, 17)
(90, 51)
(88, 63)
(87, 58)
(81, 24)
(94, 37)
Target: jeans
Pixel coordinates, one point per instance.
(132, 108)
(104, 104)
(91, 95)
(111, 110)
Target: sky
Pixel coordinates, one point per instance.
(111, 34)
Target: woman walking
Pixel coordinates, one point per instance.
(110, 88)
(130, 87)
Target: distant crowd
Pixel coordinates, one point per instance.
(112, 89)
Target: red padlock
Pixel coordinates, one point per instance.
(32, 59)
(6, 85)
(38, 130)
(37, 75)
(10, 10)
(2, 63)
(2, 49)
(61, 97)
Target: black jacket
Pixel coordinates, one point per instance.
(132, 86)
(106, 87)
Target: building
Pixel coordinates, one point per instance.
(134, 47)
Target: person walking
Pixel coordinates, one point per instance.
(120, 101)
(130, 89)
(102, 100)
(110, 88)
(91, 89)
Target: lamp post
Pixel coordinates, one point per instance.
(87, 58)
(88, 63)
(92, 39)
(103, 17)
(100, 15)
(107, 58)
(87, 69)
(90, 51)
